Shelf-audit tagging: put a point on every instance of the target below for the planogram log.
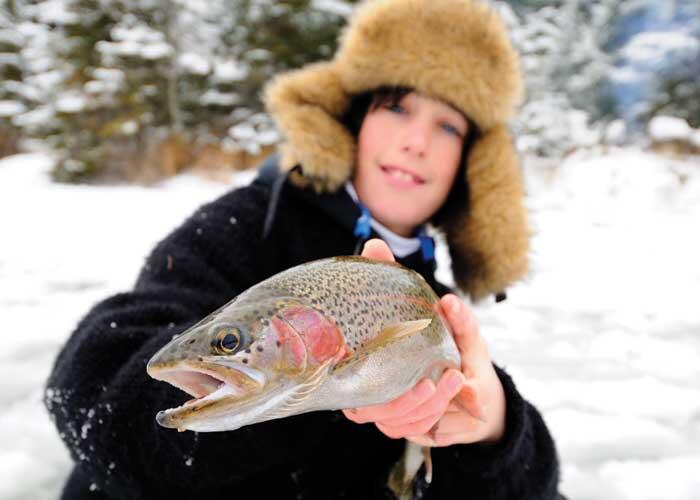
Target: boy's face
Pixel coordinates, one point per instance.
(407, 157)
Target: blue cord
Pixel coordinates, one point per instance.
(427, 246)
(362, 226)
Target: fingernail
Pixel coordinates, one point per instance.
(455, 382)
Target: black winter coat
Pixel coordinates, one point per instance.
(104, 403)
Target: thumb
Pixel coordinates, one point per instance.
(376, 249)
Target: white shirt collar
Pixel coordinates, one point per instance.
(400, 245)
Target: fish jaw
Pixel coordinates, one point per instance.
(218, 389)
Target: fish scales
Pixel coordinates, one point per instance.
(352, 291)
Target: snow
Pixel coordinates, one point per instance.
(668, 128)
(615, 132)
(650, 49)
(336, 7)
(140, 41)
(156, 51)
(216, 98)
(11, 108)
(54, 12)
(71, 103)
(603, 337)
(695, 139)
(229, 71)
(34, 118)
(242, 132)
(194, 63)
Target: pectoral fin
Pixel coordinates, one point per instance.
(398, 331)
(388, 335)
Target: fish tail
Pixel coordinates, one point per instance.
(404, 471)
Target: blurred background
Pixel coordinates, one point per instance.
(140, 89)
(118, 118)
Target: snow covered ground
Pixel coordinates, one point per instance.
(604, 337)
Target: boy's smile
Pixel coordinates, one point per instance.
(401, 177)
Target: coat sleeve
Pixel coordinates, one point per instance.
(103, 402)
(523, 464)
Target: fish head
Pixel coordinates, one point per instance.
(240, 361)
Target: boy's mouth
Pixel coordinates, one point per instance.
(404, 177)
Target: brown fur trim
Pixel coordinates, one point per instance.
(456, 50)
(490, 244)
(305, 104)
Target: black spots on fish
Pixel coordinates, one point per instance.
(245, 361)
(260, 348)
(191, 341)
(247, 351)
(279, 343)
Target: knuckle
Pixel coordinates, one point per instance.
(390, 432)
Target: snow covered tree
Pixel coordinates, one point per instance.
(149, 74)
(560, 47)
(657, 60)
(265, 37)
(12, 102)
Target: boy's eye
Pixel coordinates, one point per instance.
(395, 108)
(451, 129)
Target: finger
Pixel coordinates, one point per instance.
(378, 250)
(457, 438)
(412, 429)
(465, 331)
(461, 319)
(468, 400)
(398, 407)
(351, 414)
(458, 423)
(448, 387)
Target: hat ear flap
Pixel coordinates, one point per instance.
(306, 104)
(489, 240)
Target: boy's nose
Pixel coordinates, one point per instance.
(416, 138)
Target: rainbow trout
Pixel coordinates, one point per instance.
(336, 333)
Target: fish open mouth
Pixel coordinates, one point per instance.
(196, 384)
(208, 384)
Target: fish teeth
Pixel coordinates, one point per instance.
(222, 391)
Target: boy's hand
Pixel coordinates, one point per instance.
(465, 406)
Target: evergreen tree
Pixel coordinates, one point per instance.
(182, 73)
(265, 37)
(12, 103)
(565, 65)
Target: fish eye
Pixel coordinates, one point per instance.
(227, 339)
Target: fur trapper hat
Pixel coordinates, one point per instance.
(454, 50)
